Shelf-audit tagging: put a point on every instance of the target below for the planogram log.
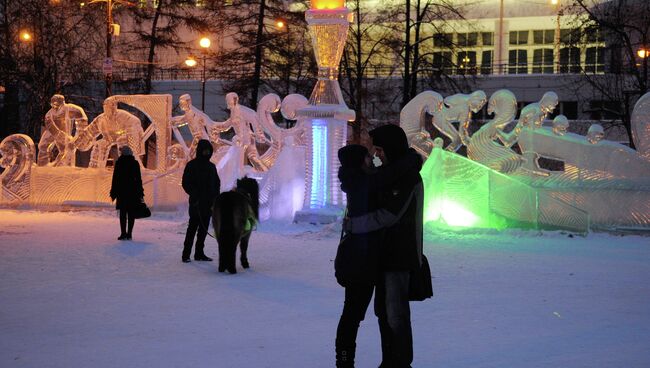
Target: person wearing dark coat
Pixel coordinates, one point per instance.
(400, 246)
(201, 182)
(357, 268)
(126, 190)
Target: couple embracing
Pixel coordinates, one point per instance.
(381, 244)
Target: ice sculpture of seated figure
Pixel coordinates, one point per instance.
(248, 131)
(195, 119)
(57, 131)
(532, 117)
(458, 108)
(117, 128)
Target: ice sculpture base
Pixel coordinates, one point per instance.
(318, 216)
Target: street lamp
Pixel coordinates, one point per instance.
(25, 36)
(643, 53)
(111, 29)
(190, 61)
(205, 45)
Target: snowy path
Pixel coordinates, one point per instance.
(73, 296)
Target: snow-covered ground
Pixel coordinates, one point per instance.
(71, 295)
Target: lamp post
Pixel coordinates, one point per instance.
(205, 45)
(557, 39)
(110, 30)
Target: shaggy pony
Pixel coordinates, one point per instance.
(234, 215)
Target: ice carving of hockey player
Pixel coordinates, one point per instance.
(248, 130)
(117, 128)
(458, 108)
(531, 118)
(57, 131)
(196, 120)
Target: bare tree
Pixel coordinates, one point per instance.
(58, 55)
(624, 28)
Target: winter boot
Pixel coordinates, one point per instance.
(345, 357)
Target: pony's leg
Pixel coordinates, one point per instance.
(221, 244)
(232, 257)
(243, 247)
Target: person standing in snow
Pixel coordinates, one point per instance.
(356, 268)
(126, 190)
(400, 245)
(201, 182)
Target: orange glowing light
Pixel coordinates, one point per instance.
(327, 4)
(191, 62)
(279, 24)
(643, 53)
(25, 36)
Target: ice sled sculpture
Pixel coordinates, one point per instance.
(601, 185)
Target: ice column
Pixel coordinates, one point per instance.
(325, 118)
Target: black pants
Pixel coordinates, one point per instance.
(126, 216)
(357, 299)
(394, 315)
(199, 223)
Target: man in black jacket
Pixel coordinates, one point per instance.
(201, 182)
(400, 247)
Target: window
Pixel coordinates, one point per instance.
(518, 62)
(519, 37)
(595, 60)
(466, 62)
(593, 35)
(570, 36)
(442, 62)
(467, 39)
(545, 37)
(486, 62)
(570, 60)
(442, 40)
(543, 61)
(487, 38)
(569, 109)
(608, 110)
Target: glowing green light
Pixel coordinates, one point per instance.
(450, 213)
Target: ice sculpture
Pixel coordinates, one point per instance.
(483, 147)
(117, 128)
(413, 118)
(17, 154)
(595, 183)
(458, 108)
(325, 117)
(57, 132)
(197, 121)
(640, 121)
(532, 116)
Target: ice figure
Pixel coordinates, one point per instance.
(412, 120)
(560, 125)
(640, 121)
(458, 108)
(248, 131)
(57, 132)
(117, 128)
(195, 119)
(595, 134)
(482, 146)
(16, 158)
(283, 186)
(532, 117)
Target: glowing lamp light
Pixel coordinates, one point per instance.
(643, 53)
(204, 42)
(451, 213)
(25, 36)
(327, 4)
(279, 24)
(555, 2)
(191, 62)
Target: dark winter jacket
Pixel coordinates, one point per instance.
(126, 185)
(200, 178)
(400, 216)
(363, 189)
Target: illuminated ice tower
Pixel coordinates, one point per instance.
(326, 116)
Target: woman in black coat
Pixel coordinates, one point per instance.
(127, 190)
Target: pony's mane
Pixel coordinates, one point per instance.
(250, 186)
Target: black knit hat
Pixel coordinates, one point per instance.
(352, 155)
(392, 139)
(204, 148)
